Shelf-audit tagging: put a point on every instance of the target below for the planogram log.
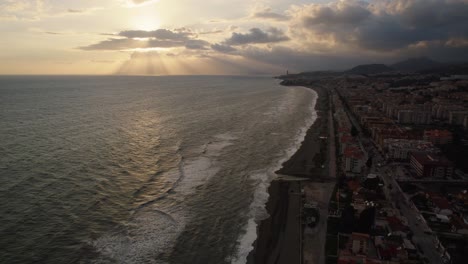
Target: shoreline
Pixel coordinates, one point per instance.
(279, 236)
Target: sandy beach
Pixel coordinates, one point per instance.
(280, 235)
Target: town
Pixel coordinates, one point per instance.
(402, 162)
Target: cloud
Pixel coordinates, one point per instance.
(141, 39)
(223, 48)
(256, 36)
(158, 34)
(380, 26)
(269, 15)
(341, 34)
(52, 33)
(210, 32)
(196, 44)
(75, 11)
(23, 10)
(343, 12)
(329, 35)
(133, 3)
(117, 44)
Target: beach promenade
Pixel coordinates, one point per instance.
(319, 193)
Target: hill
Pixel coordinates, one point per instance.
(416, 65)
(369, 69)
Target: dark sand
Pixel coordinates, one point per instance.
(279, 236)
(309, 158)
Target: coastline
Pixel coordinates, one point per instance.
(279, 236)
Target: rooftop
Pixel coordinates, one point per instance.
(431, 159)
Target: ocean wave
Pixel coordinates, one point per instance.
(155, 226)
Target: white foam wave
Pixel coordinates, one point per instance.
(257, 208)
(154, 228)
(151, 232)
(198, 170)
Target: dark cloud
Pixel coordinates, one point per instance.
(196, 44)
(268, 14)
(223, 48)
(431, 13)
(383, 25)
(342, 13)
(256, 35)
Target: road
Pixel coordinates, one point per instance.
(427, 242)
(394, 193)
(331, 142)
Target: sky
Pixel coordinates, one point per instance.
(181, 37)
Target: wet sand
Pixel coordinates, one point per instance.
(280, 235)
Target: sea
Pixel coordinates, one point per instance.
(141, 169)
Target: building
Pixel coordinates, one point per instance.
(431, 165)
(441, 206)
(414, 117)
(459, 225)
(441, 109)
(405, 117)
(400, 149)
(457, 117)
(359, 243)
(345, 141)
(353, 158)
(438, 137)
(380, 134)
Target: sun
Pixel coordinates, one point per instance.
(146, 22)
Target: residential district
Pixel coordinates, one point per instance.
(402, 159)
